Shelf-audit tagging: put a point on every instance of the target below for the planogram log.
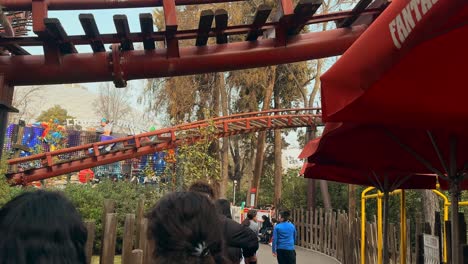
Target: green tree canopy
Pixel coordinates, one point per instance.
(55, 112)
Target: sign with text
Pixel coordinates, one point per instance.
(431, 249)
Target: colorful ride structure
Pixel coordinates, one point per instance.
(147, 146)
(24, 141)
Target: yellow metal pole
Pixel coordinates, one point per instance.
(363, 230)
(446, 218)
(379, 229)
(363, 224)
(403, 227)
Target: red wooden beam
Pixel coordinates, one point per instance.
(170, 20)
(185, 34)
(24, 5)
(89, 67)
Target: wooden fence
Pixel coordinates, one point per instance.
(333, 234)
(329, 232)
(135, 246)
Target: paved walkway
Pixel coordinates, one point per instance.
(303, 256)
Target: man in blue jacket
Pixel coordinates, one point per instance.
(284, 238)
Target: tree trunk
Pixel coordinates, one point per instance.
(323, 184)
(262, 136)
(225, 147)
(214, 148)
(278, 161)
(430, 205)
(251, 169)
(311, 183)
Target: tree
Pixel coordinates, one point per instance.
(54, 113)
(22, 99)
(112, 103)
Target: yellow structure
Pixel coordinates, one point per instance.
(379, 196)
(446, 218)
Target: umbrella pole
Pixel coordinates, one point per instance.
(454, 198)
(386, 257)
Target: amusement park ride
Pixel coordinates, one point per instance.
(265, 43)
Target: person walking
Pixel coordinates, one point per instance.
(251, 221)
(284, 239)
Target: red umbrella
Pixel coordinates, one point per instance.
(385, 157)
(357, 154)
(420, 80)
(408, 69)
(369, 178)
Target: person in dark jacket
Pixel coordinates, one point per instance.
(266, 231)
(235, 235)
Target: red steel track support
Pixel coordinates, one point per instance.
(136, 146)
(21, 5)
(193, 60)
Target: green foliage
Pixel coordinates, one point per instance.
(89, 200)
(294, 190)
(195, 161)
(6, 192)
(55, 112)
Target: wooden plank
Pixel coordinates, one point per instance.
(408, 241)
(109, 207)
(340, 240)
(261, 16)
(146, 25)
(322, 231)
(357, 10)
(304, 10)
(333, 234)
(143, 244)
(137, 256)
(301, 217)
(204, 27)
(91, 230)
(91, 30)
(123, 32)
(109, 239)
(56, 31)
(308, 228)
(127, 243)
(221, 20)
(139, 217)
(316, 230)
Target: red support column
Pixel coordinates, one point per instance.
(39, 13)
(285, 13)
(170, 19)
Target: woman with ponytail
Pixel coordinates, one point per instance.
(185, 228)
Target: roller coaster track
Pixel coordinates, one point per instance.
(55, 163)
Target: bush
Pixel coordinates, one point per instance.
(89, 200)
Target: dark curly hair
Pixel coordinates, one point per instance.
(185, 228)
(41, 227)
(203, 187)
